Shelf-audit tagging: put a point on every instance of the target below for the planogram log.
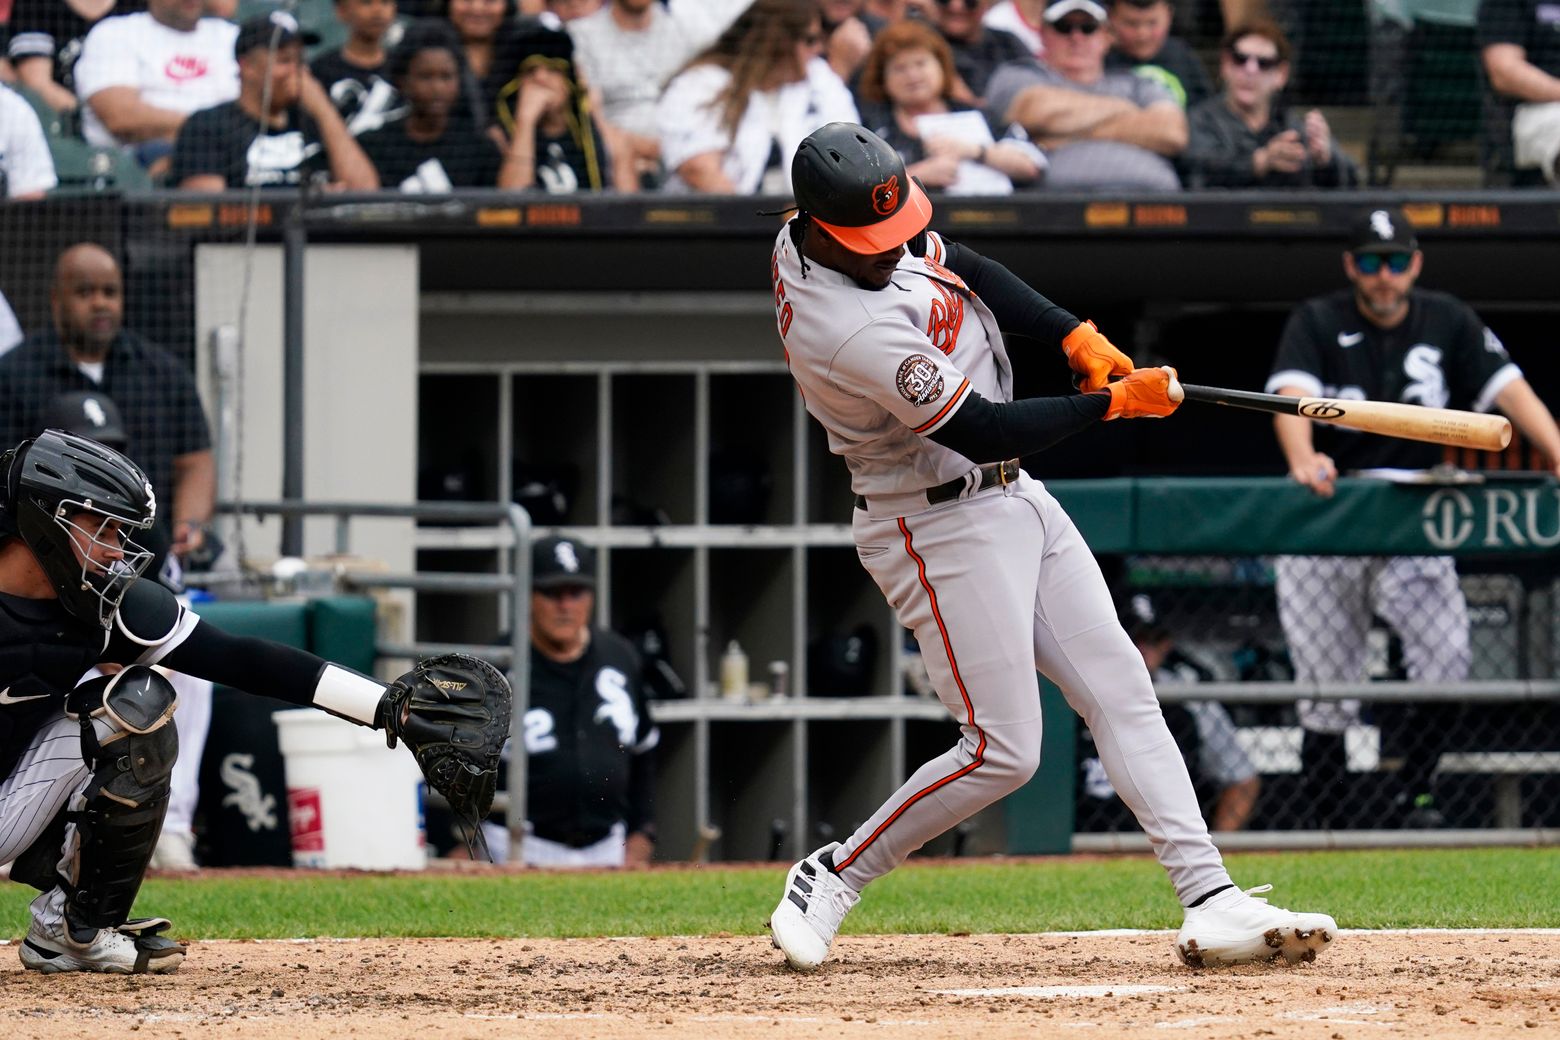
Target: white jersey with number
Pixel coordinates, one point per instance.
(882, 369)
(995, 582)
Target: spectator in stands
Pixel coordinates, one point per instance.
(1100, 130)
(46, 40)
(910, 68)
(848, 33)
(1143, 44)
(88, 349)
(1227, 782)
(1382, 340)
(978, 48)
(483, 26)
(92, 413)
(731, 121)
(1242, 138)
(141, 75)
(1022, 18)
(554, 144)
(1519, 43)
(628, 51)
(26, 166)
(354, 73)
(243, 144)
(590, 773)
(433, 146)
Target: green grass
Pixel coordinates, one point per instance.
(1461, 888)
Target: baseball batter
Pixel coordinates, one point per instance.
(1382, 339)
(894, 336)
(84, 770)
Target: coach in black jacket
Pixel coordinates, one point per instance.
(588, 734)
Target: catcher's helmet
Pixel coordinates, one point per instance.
(851, 182)
(63, 490)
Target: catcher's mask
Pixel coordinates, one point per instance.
(75, 503)
(852, 184)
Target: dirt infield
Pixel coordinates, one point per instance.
(1426, 985)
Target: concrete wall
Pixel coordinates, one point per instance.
(360, 421)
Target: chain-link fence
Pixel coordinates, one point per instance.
(1353, 693)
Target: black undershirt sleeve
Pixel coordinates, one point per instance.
(1019, 309)
(984, 431)
(256, 666)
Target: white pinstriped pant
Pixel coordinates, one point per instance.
(995, 586)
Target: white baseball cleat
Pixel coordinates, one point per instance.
(134, 948)
(815, 902)
(1234, 927)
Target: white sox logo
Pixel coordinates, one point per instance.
(247, 796)
(919, 380)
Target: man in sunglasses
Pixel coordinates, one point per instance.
(1102, 131)
(1245, 137)
(1383, 340)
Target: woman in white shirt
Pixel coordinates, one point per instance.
(731, 121)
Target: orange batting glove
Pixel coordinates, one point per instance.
(1147, 393)
(1094, 357)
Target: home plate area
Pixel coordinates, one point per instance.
(1424, 984)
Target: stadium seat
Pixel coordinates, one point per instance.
(84, 168)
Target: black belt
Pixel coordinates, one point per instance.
(574, 839)
(991, 474)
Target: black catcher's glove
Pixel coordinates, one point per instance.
(453, 712)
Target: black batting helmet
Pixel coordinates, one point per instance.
(62, 493)
(852, 184)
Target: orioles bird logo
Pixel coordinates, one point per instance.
(885, 196)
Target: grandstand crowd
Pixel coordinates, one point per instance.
(982, 97)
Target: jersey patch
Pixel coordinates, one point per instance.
(919, 380)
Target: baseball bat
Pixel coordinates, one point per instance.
(1411, 421)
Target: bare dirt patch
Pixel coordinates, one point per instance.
(1429, 986)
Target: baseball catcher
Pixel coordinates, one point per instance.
(84, 769)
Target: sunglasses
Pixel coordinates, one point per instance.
(1266, 64)
(1077, 26)
(1370, 263)
(971, 4)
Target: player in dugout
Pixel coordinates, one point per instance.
(84, 770)
(894, 336)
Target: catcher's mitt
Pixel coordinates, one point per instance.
(453, 712)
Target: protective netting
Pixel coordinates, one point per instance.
(1441, 731)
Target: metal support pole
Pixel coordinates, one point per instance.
(294, 240)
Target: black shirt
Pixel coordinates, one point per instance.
(587, 738)
(1176, 66)
(226, 141)
(154, 391)
(50, 29)
(363, 96)
(1220, 146)
(562, 167)
(1531, 24)
(462, 158)
(975, 62)
(1441, 356)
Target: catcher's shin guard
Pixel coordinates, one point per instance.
(116, 819)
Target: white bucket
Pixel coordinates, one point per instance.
(352, 801)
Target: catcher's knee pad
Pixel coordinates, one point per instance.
(118, 816)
